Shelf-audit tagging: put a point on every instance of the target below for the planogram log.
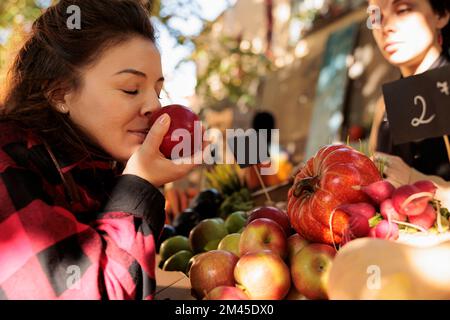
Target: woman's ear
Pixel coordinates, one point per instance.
(443, 20)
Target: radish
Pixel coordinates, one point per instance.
(410, 200)
(426, 186)
(372, 233)
(425, 220)
(359, 226)
(386, 230)
(388, 211)
(361, 208)
(379, 191)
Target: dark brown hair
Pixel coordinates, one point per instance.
(49, 62)
(442, 7)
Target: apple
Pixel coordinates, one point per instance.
(263, 234)
(172, 245)
(181, 117)
(295, 243)
(235, 221)
(263, 276)
(310, 269)
(210, 270)
(226, 293)
(230, 243)
(207, 234)
(272, 213)
(294, 295)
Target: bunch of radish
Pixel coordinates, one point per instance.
(408, 206)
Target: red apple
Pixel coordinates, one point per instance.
(272, 213)
(226, 293)
(263, 276)
(180, 118)
(310, 269)
(295, 243)
(210, 270)
(263, 234)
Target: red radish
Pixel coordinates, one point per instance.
(386, 230)
(426, 186)
(388, 211)
(425, 220)
(379, 191)
(359, 226)
(409, 200)
(361, 208)
(372, 233)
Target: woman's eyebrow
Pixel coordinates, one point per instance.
(132, 71)
(160, 79)
(397, 1)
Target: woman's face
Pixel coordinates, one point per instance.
(406, 29)
(117, 95)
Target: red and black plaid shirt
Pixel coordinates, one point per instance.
(101, 247)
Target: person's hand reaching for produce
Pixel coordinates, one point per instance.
(395, 170)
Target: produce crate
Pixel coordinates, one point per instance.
(277, 193)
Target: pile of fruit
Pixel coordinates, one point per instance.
(267, 253)
(249, 256)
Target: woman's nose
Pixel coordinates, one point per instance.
(152, 104)
(386, 24)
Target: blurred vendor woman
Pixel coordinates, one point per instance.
(80, 167)
(414, 36)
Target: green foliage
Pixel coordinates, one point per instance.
(231, 72)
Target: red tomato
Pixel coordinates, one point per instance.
(329, 179)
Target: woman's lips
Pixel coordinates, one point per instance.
(139, 134)
(392, 47)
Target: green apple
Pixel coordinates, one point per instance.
(178, 262)
(172, 245)
(235, 221)
(230, 243)
(207, 234)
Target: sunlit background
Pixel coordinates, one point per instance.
(312, 63)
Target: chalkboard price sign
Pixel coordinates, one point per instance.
(418, 107)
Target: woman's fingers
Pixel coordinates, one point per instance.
(157, 132)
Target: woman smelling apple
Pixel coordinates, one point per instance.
(80, 164)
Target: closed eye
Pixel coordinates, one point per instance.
(135, 92)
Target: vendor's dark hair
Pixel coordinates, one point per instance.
(441, 7)
(48, 65)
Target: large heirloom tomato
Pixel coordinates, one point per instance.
(331, 178)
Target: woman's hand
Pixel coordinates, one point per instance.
(395, 169)
(150, 164)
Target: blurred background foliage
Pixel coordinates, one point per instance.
(231, 69)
